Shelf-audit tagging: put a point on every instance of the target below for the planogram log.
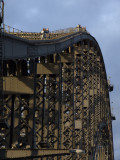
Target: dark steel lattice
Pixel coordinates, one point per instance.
(66, 105)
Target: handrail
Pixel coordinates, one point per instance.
(43, 35)
(9, 29)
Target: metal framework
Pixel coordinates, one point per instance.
(56, 97)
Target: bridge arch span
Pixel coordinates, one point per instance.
(56, 96)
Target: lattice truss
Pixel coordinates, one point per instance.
(47, 110)
(67, 109)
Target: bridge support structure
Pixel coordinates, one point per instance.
(56, 103)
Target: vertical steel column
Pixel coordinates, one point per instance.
(78, 98)
(67, 105)
(85, 100)
(1, 65)
(92, 101)
(53, 102)
(5, 133)
(53, 111)
(39, 107)
(3, 124)
(34, 145)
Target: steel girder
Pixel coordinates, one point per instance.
(68, 106)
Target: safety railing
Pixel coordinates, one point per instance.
(43, 35)
(10, 29)
(69, 30)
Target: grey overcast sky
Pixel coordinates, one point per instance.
(102, 20)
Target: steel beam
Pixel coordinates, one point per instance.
(18, 48)
(33, 153)
(18, 85)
